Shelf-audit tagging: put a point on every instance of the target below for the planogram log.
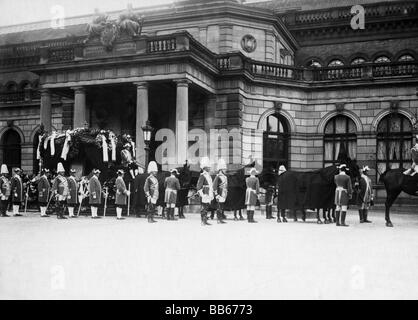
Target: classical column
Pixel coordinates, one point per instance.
(182, 120)
(141, 119)
(45, 112)
(80, 110)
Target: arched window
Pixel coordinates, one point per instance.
(382, 59)
(358, 61)
(340, 140)
(394, 142)
(275, 141)
(406, 57)
(314, 64)
(335, 63)
(11, 149)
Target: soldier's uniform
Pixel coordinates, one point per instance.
(44, 188)
(17, 192)
(72, 199)
(343, 194)
(205, 189)
(282, 170)
(95, 194)
(60, 189)
(5, 191)
(251, 194)
(122, 194)
(172, 186)
(151, 190)
(365, 195)
(220, 189)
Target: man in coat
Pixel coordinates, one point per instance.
(251, 194)
(205, 189)
(95, 193)
(122, 194)
(151, 190)
(44, 189)
(365, 195)
(5, 190)
(60, 190)
(72, 193)
(220, 189)
(343, 194)
(172, 186)
(17, 192)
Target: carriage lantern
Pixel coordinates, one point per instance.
(147, 131)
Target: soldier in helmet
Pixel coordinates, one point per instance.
(220, 189)
(251, 194)
(172, 186)
(205, 189)
(95, 193)
(44, 188)
(5, 190)
(343, 194)
(282, 170)
(72, 199)
(60, 190)
(17, 192)
(122, 194)
(151, 190)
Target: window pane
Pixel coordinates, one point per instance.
(383, 126)
(382, 59)
(329, 129)
(406, 57)
(395, 124)
(335, 63)
(272, 124)
(341, 125)
(351, 126)
(358, 61)
(407, 126)
(381, 150)
(328, 151)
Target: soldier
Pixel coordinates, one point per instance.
(151, 190)
(365, 195)
(282, 169)
(122, 194)
(172, 186)
(343, 194)
(251, 195)
(60, 190)
(44, 188)
(95, 193)
(17, 192)
(5, 190)
(205, 189)
(72, 193)
(220, 189)
(270, 191)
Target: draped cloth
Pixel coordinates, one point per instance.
(38, 149)
(105, 149)
(52, 143)
(113, 145)
(66, 147)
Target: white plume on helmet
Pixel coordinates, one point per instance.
(4, 169)
(152, 167)
(205, 163)
(222, 164)
(60, 167)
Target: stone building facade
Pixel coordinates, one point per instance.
(296, 83)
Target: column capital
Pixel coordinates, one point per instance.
(79, 89)
(183, 82)
(141, 84)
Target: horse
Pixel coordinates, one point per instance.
(395, 182)
(310, 190)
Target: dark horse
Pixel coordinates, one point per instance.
(395, 182)
(310, 190)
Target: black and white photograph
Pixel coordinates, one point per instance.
(193, 150)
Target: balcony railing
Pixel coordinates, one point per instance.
(19, 96)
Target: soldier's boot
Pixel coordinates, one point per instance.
(365, 213)
(283, 213)
(271, 213)
(240, 216)
(343, 215)
(268, 212)
(212, 215)
(205, 220)
(337, 218)
(219, 217)
(252, 217)
(172, 214)
(151, 218)
(235, 216)
(361, 215)
(163, 213)
(181, 214)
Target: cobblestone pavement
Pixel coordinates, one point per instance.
(105, 258)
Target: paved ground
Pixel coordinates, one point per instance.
(84, 258)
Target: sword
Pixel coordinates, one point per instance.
(129, 199)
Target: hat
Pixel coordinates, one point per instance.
(60, 167)
(205, 163)
(343, 166)
(4, 169)
(72, 171)
(282, 169)
(45, 170)
(253, 171)
(96, 171)
(17, 170)
(120, 172)
(222, 164)
(174, 171)
(152, 167)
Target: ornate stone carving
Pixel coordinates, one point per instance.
(340, 107)
(248, 43)
(130, 22)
